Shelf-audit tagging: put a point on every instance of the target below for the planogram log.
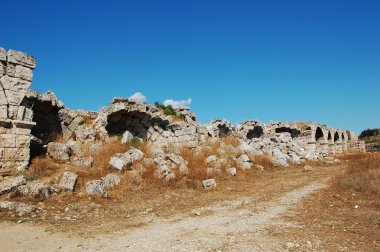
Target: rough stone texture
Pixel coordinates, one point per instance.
(19, 208)
(120, 161)
(209, 183)
(21, 58)
(58, 151)
(68, 181)
(15, 113)
(231, 171)
(82, 161)
(11, 184)
(96, 188)
(35, 189)
(111, 180)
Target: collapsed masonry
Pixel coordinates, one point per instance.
(30, 122)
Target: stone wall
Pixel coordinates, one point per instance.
(16, 73)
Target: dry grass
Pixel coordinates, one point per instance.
(361, 177)
(43, 167)
(345, 216)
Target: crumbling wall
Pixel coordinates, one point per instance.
(16, 114)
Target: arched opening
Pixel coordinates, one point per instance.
(224, 131)
(329, 136)
(256, 132)
(348, 135)
(135, 122)
(336, 137)
(319, 134)
(48, 126)
(293, 132)
(342, 136)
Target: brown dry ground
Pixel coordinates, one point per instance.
(327, 220)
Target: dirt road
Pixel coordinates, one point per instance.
(238, 225)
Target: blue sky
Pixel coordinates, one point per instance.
(266, 60)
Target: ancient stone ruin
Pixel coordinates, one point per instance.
(16, 115)
(30, 123)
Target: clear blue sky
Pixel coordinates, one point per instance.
(266, 60)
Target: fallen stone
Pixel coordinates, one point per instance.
(208, 183)
(96, 188)
(308, 168)
(210, 159)
(82, 161)
(58, 151)
(127, 136)
(20, 208)
(11, 184)
(111, 180)
(120, 161)
(35, 189)
(231, 171)
(68, 181)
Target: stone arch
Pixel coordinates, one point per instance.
(342, 136)
(293, 132)
(329, 136)
(336, 136)
(256, 132)
(136, 122)
(319, 136)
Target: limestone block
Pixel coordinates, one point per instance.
(20, 208)
(84, 133)
(3, 111)
(15, 84)
(58, 151)
(24, 73)
(111, 180)
(22, 131)
(14, 98)
(21, 58)
(3, 54)
(22, 141)
(75, 123)
(2, 69)
(12, 112)
(231, 171)
(10, 70)
(96, 188)
(7, 140)
(35, 189)
(68, 181)
(75, 148)
(208, 183)
(82, 161)
(3, 98)
(127, 136)
(16, 154)
(11, 184)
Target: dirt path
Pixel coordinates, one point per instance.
(234, 226)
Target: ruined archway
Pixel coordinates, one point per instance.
(256, 132)
(329, 136)
(293, 132)
(48, 125)
(342, 136)
(224, 131)
(319, 134)
(135, 122)
(336, 136)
